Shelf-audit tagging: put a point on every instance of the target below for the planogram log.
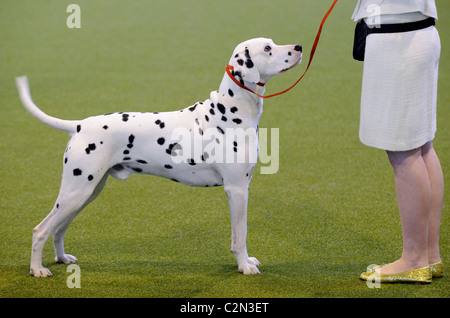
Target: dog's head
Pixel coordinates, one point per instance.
(257, 60)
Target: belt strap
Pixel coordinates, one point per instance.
(402, 27)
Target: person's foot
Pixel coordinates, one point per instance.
(419, 275)
(399, 266)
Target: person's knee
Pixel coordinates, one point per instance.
(399, 158)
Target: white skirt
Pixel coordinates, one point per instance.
(399, 89)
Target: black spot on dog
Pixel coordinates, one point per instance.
(138, 170)
(105, 127)
(247, 53)
(130, 146)
(192, 108)
(65, 160)
(131, 139)
(78, 128)
(126, 158)
(90, 177)
(191, 162)
(224, 118)
(249, 63)
(200, 131)
(211, 111)
(237, 73)
(160, 123)
(230, 92)
(237, 121)
(142, 161)
(77, 172)
(126, 152)
(172, 148)
(168, 166)
(221, 108)
(234, 109)
(90, 148)
(161, 141)
(125, 117)
(240, 62)
(206, 117)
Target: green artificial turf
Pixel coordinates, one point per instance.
(315, 225)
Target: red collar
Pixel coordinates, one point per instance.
(230, 68)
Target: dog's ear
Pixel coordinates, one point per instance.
(244, 66)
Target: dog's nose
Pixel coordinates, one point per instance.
(298, 48)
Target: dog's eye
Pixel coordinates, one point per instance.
(267, 49)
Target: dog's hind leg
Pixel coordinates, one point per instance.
(58, 235)
(73, 197)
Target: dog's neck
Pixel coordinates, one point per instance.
(255, 103)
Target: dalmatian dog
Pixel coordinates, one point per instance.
(126, 143)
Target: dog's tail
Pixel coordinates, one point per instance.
(68, 126)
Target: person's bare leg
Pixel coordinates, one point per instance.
(437, 196)
(413, 189)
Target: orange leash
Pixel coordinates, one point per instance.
(229, 68)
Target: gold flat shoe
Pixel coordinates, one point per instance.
(420, 275)
(437, 270)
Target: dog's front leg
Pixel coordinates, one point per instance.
(238, 198)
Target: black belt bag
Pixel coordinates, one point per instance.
(362, 30)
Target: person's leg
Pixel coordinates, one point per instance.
(437, 196)
(413, 189)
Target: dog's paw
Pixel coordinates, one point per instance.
(66, 259)
(40, 272)
(251, 267)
